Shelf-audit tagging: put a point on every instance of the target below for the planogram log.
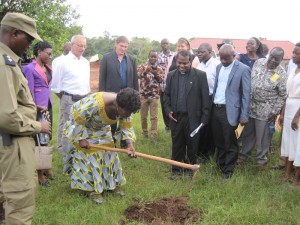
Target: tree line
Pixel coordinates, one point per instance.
(57, 23)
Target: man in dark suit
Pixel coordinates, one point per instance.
(186, 102)
(231, 99)
(118, 71)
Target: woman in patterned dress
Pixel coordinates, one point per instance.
(94, 170)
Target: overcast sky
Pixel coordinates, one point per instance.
(172, 19)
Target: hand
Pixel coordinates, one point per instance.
(46, 127)
(84, 143)
(294, 123)
(171, 116)
(131, 150)
(243, 122)
(41, 108)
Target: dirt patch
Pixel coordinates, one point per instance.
(169, 210)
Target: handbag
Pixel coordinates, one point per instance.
(43, 156)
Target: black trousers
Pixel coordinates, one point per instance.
(225, 140)
(206, 144)
(184, 148)
(163, 112)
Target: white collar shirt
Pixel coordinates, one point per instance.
(72, 75)
(210, 69)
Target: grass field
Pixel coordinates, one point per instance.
(251, 197)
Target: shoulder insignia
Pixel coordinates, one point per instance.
(8, 60)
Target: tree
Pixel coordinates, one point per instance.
(55, 19)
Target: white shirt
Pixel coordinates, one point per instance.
(71, 75)
(220, 97)
(210, 68)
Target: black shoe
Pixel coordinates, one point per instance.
(278, 167)
(227, 176)
(174, 175)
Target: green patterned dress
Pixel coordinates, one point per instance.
(93, 169)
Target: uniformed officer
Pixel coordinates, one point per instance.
(17, 122)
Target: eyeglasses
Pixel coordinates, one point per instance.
(48, 53)
(80, 46)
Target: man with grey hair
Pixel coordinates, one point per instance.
(71, 81)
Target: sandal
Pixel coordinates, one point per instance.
(45, 183)
(119, 191)
(49, 175)
(96, 197)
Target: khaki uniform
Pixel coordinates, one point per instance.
(18, 178)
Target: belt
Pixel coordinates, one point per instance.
(220, 105)
(66, 93)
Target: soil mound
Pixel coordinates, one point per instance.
(167, 211)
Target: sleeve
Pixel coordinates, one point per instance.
(204, 99)
(81, 112)
(135, 75)
(282, 93)
(125, 131)
(246, 90)
(30, 78)
(10, 113)
(57, 76)
(167, 95)
(103, 74)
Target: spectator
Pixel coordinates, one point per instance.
(39, 76)
(186, 101)
(163, 60)
(289, 119)
(94, 170)
(150, 75)
(182, 44)
(268, 85)
(231, 99)
(71, 80)
(208, 64)
(55, 63)
(17, 122)
(254, 51)
(118, 71)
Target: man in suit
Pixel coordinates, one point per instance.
(118, 71)
(231, 99)
(186, 102)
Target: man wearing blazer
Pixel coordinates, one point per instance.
(186, 102)
(231, 100)
(118, 71)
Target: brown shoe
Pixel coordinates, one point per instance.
(260, 166)
(119, 191)
(96, 197)
(240, 161)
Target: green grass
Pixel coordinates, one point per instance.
(251, 197)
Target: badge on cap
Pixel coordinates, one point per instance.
(8, 60)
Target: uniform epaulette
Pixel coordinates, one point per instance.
(8, 60)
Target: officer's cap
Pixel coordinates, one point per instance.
(21, 22)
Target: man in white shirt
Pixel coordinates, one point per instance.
(207, 64)
(55, 62)
(71, 80)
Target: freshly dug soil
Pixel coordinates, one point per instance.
(167, 211)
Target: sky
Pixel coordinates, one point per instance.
(172, 19)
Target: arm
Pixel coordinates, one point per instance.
(30, 78)
(245, 91)
(295, 120)
(167, 99)
(103, 74)
(57, 71)
(204, 99)
(135, 75)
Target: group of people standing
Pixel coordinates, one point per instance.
(203, 100)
